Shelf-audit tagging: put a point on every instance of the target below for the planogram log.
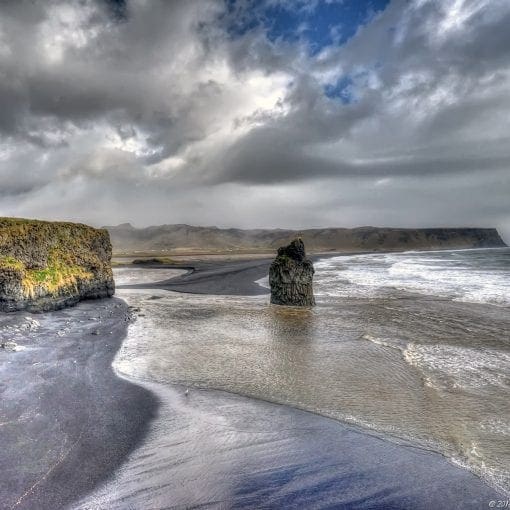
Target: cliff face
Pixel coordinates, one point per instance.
(185, 238)
(291, 276)
(50, 265)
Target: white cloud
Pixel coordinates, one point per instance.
(162, 116)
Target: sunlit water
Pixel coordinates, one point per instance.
(414, 346)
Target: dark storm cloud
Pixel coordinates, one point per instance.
(263, 157)
(157, 111)
(118, 9)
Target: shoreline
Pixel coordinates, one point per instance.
(329, 462)
(398, 442)
(235, 272)
(212, 278)
(271, 253)
(78, 462)
(225, 275)
(217, 277)
(67, 420)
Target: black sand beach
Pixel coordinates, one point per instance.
(228, 451)
(69, 424)
(66, 420)
(228, 277)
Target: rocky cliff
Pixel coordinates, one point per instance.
(291, 276)
(50, 265)
(186, 238)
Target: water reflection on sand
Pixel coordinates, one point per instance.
(218, 450)
(385, 364)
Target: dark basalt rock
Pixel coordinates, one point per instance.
(291, 276)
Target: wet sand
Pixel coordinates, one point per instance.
(67, 422)
(215, 450)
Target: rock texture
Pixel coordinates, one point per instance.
(50, 265)
(291, 276)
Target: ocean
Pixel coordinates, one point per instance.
(411, 347)
(473, 276)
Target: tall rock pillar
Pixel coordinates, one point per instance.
(291, 276)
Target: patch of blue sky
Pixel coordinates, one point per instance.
(317, 23)
(341, 90)
(349, 88)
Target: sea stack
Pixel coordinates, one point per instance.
(50, 265)
(291, 276)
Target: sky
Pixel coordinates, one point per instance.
(268, 113)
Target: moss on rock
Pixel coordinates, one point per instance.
(49, 265)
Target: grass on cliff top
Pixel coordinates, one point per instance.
(28, 239)
(50, 258)
(10, 222)
(41, 244)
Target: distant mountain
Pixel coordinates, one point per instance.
(186, 239)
